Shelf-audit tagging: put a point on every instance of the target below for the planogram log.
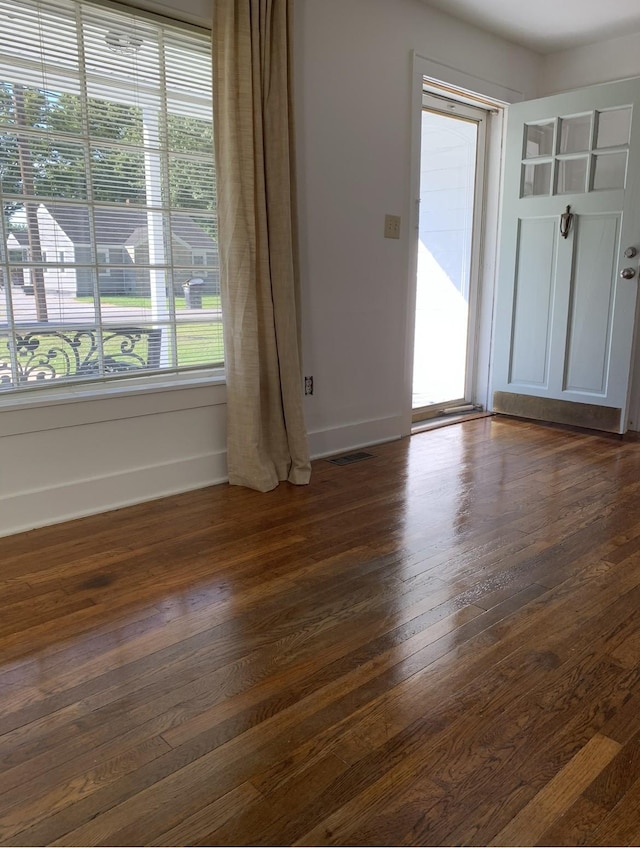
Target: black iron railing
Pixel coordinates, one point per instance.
(58, 351)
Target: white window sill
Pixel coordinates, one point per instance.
(117, 388)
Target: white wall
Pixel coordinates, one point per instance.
(615, 59)
(353, 94)
(61, 460)
(354, 122)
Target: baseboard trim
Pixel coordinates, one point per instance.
(37, 508)
(360, 434)
(41, 507)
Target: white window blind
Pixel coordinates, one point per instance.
(108, 248)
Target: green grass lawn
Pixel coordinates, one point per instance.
(197, 345)
(200, 344)
(209, 301)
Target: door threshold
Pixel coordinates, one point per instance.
(445, 421)
(420, 414)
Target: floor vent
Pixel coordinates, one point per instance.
(348, 458)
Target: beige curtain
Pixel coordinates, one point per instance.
(254, 142)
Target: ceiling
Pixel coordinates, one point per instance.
(548, 25)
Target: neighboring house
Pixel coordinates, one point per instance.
(122, 237)
(18, 251)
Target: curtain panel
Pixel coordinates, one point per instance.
(255, 166)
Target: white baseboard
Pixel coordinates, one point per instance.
(360, 434)
(79, 498)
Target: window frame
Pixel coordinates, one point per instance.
(174, 376)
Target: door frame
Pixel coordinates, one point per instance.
(452, 82)
(448, 106)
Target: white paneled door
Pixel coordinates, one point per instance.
(570, 244)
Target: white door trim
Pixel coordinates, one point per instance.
(439, 73)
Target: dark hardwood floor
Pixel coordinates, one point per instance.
(438, 645)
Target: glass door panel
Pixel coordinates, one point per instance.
(448, 167)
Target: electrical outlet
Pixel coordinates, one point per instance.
(392, 226)
(308, 385)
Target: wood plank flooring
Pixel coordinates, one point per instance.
(436, 646)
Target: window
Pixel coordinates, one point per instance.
(576, 153)
(106, 163)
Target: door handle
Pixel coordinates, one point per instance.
(628, 273)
